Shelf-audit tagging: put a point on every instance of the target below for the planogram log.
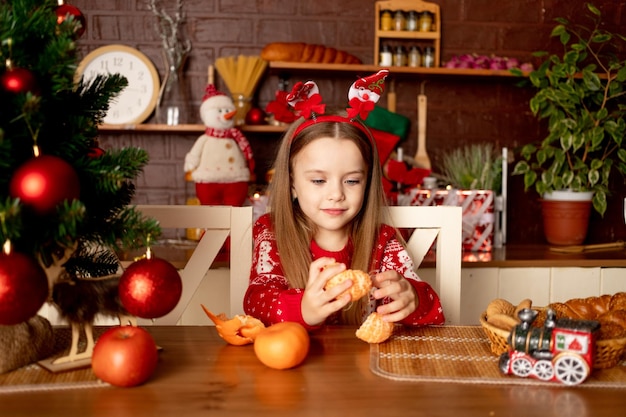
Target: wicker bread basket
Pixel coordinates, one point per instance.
(608, 352)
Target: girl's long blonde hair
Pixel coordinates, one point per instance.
(294, 231)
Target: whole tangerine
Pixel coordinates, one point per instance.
(282, 345)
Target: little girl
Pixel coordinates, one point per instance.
(325, 209)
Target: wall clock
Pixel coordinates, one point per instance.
(137, 101)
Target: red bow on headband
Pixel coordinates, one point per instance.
(363, 95)
(306, 99)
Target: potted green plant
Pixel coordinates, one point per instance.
(581, 94)
(473, 167)
(473, 177)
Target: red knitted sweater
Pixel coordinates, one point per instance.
(270, 299)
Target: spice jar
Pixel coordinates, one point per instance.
(412, 21)
(385, 58)
(399, 21)
(399, 56)
(426, 22)
(386, 21)
(429, 57)
(415, 57)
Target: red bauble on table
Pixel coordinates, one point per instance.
(124, 356)
(150, 288)
(43, 182)
(23, 287)
(65, 10)
(18, 80)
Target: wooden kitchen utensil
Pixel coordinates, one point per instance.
(588, 248)
(391, 97)
(421, 157)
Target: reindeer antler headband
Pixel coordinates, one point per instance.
(363, 94)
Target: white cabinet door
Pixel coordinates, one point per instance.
(517, 284)
(568, 283)
(478, 287)
(613, 280)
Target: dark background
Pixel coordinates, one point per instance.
(461, 110)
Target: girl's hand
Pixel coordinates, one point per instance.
(393, 285)
(317, 303)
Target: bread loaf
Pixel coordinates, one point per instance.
(304, 52)
(608, 310)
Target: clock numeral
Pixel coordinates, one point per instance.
(118, 61)
(104, 65)
(141, 75)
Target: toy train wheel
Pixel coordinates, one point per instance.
(521, 367)
(543, 370)
(570, 369)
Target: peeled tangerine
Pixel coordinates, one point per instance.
(238, 331)
(361, 283)
(374, 329)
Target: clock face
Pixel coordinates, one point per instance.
(137, 101)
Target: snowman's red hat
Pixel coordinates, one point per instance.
(211, 91)
(375, 83)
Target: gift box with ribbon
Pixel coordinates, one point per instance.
(478, 212)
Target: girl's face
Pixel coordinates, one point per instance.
(329, 180)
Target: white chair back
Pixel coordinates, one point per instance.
(218, 223)
(440, 225)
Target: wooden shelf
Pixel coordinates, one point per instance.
(431, 36)
(191, 128)
(286, 67)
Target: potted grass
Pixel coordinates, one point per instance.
(580, 93)
(473, 177)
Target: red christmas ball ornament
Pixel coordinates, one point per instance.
(23, 287)
(18, 80)
(65, 10)
(255, 116)
(43, 182)
(150, 288)
(95, 152)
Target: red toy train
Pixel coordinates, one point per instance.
(562, 350)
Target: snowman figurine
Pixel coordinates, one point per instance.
(221, 161)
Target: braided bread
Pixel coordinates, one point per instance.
(608, 310)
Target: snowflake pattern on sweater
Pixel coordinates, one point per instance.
(270, 299)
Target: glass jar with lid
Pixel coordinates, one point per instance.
(428, 59)
(415, 57)
(385, 58)
(386, 20)
(426, 22)
(399, 56)
(399, 20)
(412, 20)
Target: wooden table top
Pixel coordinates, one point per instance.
(199, 375)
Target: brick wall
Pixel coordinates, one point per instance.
(460, 110)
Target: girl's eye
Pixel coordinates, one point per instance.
(317, 182)
(353, 182)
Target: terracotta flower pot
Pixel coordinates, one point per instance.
(565, 222)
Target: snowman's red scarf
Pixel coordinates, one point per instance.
(238, 137)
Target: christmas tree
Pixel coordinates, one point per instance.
(60, 193)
